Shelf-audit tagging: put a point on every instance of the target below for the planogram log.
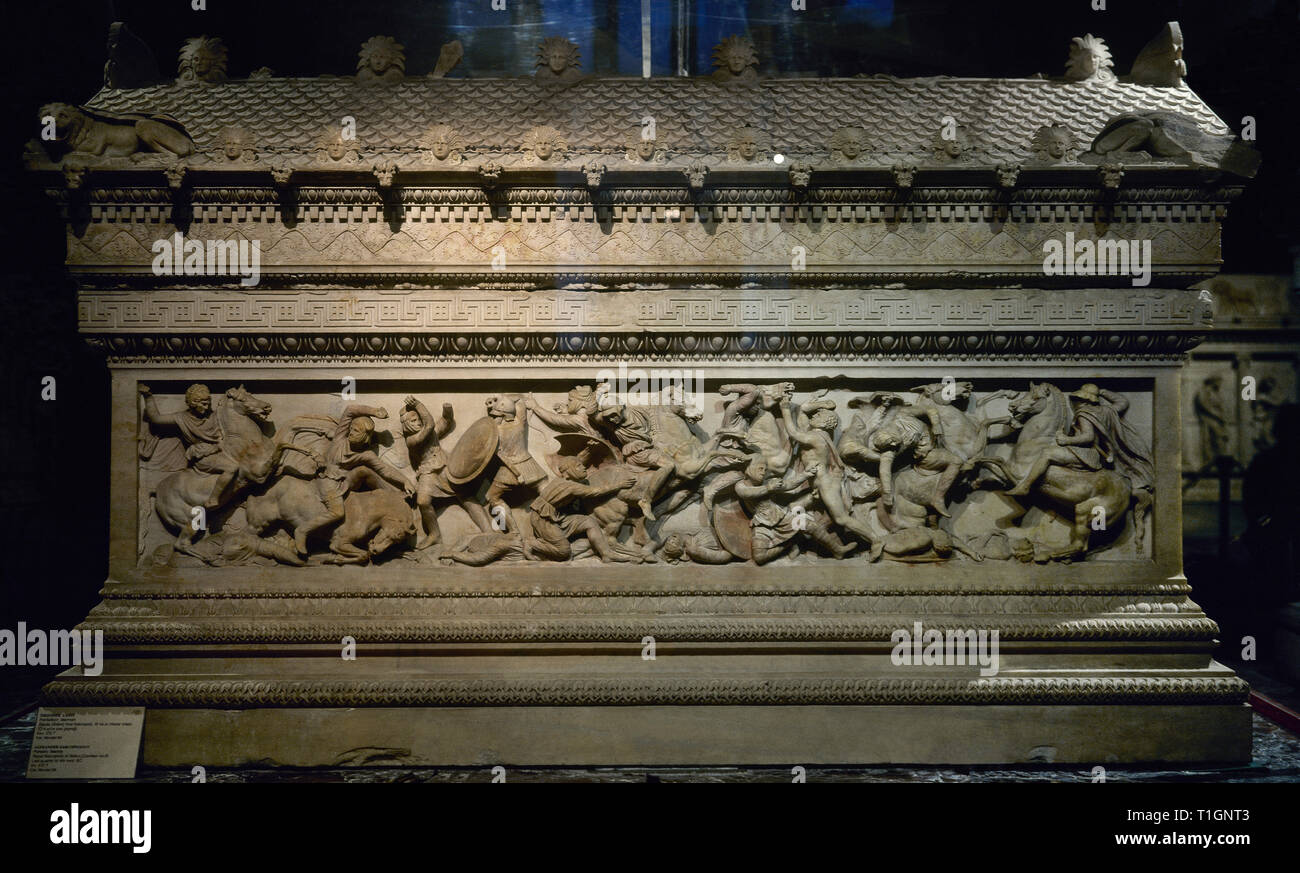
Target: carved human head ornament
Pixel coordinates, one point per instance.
(643, 149)
(734, 59)
(237, 144)
(334, 147)
(381, 59)
(443, 142)
(1053, 142)
(544, 142)
(1089, 60)
(951, 144)
(557, 58)
(848, 143)
(202, 59)
(745, 144)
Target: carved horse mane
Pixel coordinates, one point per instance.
(240, 417)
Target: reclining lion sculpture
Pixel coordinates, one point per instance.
(91, 132)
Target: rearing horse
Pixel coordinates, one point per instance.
(242, 419)
(1041, 413)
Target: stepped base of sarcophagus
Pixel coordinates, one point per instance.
(1080, 664)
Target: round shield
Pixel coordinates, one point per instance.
(733, 528)
(472, 452)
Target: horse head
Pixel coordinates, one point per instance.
(245, 404)
(390, 533)
(1029, 403)
(259, 512)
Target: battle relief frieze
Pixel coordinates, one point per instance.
(642, 467)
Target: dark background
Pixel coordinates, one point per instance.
(54, 454)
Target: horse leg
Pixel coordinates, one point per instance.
(640, 535)
(676, 500)
(997, 465)
(185, 543)
(1081, 530)
(982, 436)
(1036, 472)
(1141, 505)
(345, 550)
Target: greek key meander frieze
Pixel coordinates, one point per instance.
(336, 311)
(646, 468)
(717, 691)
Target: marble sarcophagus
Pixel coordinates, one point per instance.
(574, 420)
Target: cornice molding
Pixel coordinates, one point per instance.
(1165, 279)
(826, 628)
(533, 348)
(641, 194)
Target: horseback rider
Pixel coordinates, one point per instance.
(200, 431)
(631, 430)
(351, 464)
(1100, 439)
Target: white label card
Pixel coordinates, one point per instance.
(97, 742)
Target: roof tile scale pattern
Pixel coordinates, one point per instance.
(798, 116)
